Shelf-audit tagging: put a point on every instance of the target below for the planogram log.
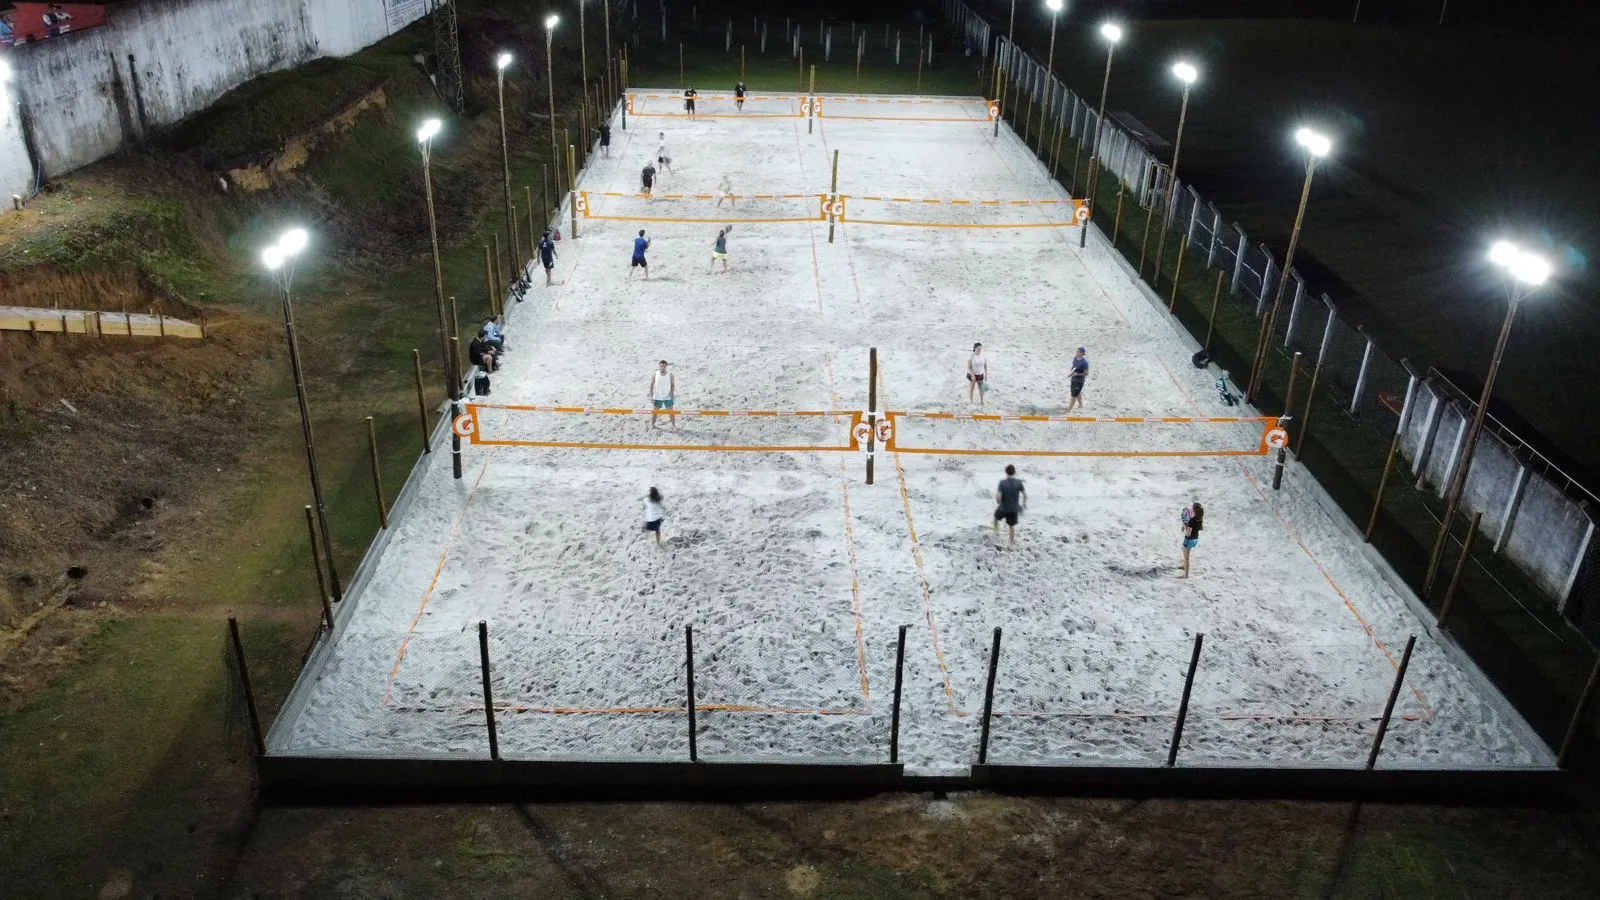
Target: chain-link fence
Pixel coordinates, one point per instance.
(1529, 583)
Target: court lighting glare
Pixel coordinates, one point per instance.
(1111, 31)
(1528, 268)
(1185, 72)
(289, 245)
(428, 130)
(1316, 144)
(5, 70)
(550, 22)
(272, 257)
(1053, 5)
(502, 62)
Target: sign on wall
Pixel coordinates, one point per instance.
(27, 23)
(404, 12)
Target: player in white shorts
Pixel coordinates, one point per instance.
(725, 192)
(662, 158)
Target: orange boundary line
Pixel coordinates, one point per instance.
(584, 445)
(966, 121)
(623, 411)
(853, 221)
(721, 219)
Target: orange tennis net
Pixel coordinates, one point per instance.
(1104, 436)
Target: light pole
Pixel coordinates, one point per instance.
(1112, 32)
(583, 47)
(605, 7)
(1317, 146)
(279, 260)
(550, 78)
(501, 63)
(1050, 60)
(1187, 74)
(1524, 272)
(425, 135)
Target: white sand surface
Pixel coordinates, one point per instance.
(795, 574)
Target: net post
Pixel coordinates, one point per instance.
(455, 409)
(688, 641)
(244, 681)
(488, 696)
(1211, 320)
(988, 698)
(834, 197)
(545, 168)
(422, 403)
(1461, 566)
(1305, 415)
(316, 563)
(872, 410)
(1388, 707)
(811, 120)
(377, 478)
(1383, 488)
(1183, 704)
(997, 99)
(1277, 470)
(899, 672)
(455, 347)
(572, 185)
(1116, 223)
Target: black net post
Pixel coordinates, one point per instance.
(1183, 704)
(894, 718)
(1388, 708)
(688, 642)
(988, 698)
(244, 681)
(316, 563)
(1461, 567)
(488, 694)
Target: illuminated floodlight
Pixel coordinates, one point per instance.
(272, 257)
(1111, 31)
(1185, 72)
(503, 61)
(550, 22)
(1316, 143)
(428, 130)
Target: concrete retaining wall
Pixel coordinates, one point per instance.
(1527, 518)
(156, 62)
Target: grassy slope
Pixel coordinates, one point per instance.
(118, 776)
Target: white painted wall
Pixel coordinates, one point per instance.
(156, 62)
(16, 176)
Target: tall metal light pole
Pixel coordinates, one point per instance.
(605, 5)
(1050, 60)
(425, 135)
(279, 260)
(1187, 74)
(1317, 146)
(1011, 39)
(1112, 32)
(1525, 271)
(501, 63)
(550, 78)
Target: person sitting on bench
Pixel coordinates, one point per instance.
(481, 352)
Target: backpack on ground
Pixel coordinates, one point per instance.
(480, 385)
(1201, 358)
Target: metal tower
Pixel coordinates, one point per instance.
(447, 55)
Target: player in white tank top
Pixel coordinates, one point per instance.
(662, 392)
(977, 374)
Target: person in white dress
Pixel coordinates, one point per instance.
(977, 374)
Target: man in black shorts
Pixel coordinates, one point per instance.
(1010, 500)
(647, 179)
(738, 95)
(688, 101)
(547, 258)
(605, 138)
(1080, 374)
(640, 245)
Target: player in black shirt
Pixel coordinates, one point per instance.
(688, 101)
(738, 95)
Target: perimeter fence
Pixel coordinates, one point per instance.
(1382, 436)
(691, 694)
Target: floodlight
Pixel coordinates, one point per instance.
(272, 257)
(550, 22)
(293, 241)
(1111, 31)
(428, 130)
(1185, 72)
(503, 61)
(1316, 143)
(1054, 5)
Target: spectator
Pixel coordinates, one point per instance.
(481, 353)
(494, 337)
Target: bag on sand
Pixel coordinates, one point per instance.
(480, 385)
(1201, 358)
